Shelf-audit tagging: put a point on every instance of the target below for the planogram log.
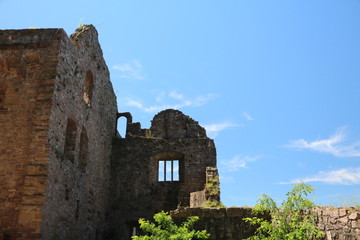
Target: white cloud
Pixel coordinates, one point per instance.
(345, 176)
(213, 130)
(130, 70)
(238, 162)
(176, 95)
(133, 103)
(181, 102)
(335, 145)
(247, 116)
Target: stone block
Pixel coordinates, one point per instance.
(342, 212)
(354, 216)
(343, 221)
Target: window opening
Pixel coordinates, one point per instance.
(67, 193)
(88, 88)
(83, 153)
(168, 171)
(2, 97)
(122, 124)
(77, 209)
(70, 140)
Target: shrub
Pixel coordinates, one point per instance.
(292, 220)
(165, 229)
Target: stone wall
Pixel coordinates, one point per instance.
(339, 223)
(137, 190)
(82, 126)
(228, 224)
(221, 223)
(28, 61)
(210, 195)
(57, 116)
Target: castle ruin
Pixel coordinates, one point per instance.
(65, 173)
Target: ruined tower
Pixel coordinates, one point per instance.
(57, 118)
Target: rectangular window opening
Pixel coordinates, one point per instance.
(161, 171)
(168, 171)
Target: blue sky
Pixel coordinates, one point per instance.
(275, 83)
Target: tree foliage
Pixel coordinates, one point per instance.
(165, 229)
(291, 221)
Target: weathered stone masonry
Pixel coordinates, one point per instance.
(58, 114)
(135, 187)
(228, 223)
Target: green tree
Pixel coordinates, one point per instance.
(165, 229)
(292, 221)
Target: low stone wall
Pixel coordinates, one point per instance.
(228, 223)
(339, 223)
(221, 223)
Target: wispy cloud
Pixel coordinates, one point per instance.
(335, 145)
(238, 162)
(345, 176)
(176, 95)
(213, 130)
(130, 70)
(180, 102)
(247, 116)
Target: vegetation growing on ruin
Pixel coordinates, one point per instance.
(292, 220)
(81, 29)
(213, 186)
(212, 204)
(164, 228)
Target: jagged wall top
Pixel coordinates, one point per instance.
(167, 124)
(173, 124)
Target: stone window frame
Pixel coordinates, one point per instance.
(129, 120)
(168, 156)
(164, 165)
(88, 88)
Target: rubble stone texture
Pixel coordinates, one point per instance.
(228, 223)
(135, 187)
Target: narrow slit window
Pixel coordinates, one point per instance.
(175, 170)
(70, 140)
(83, 153)
(88, 88)
(168, 171)
(161, 171)
(2, 98)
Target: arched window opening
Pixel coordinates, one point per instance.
(121, 127)
(70, 140)
(83, 153)
(88, 88)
